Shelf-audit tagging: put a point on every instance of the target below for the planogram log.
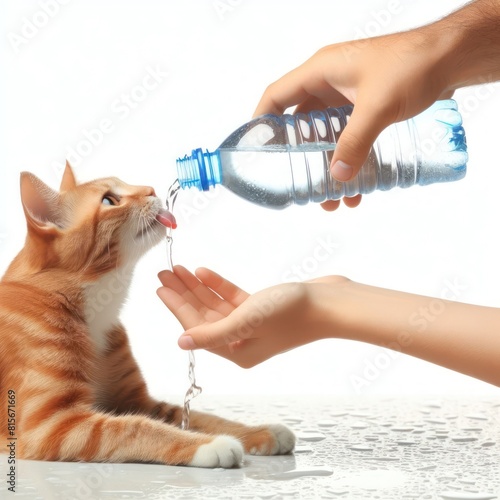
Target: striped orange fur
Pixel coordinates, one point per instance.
(79, 392)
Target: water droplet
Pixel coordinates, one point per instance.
(293, 474)
(326, 423)
(310, 436)
(467, 481)
(302, 449)
(433, 404)
(463, 439)
(477, 416)
(457, 495)
(359, 425)
(488, 443)
(360, 447)
(293, 419)
(428, 467)
(438, 421)
(338, 492)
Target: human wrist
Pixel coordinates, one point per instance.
(355, 311)
(467, 44)
(330, 307)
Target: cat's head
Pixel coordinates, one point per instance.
(89, 228)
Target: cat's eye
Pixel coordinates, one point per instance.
(110, 200)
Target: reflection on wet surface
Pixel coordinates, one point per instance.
(346, 449)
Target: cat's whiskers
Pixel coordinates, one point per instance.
(149, 239)
(145, 227)
(150, 222)
(137, 227)
(144, 230)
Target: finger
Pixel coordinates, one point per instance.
(223, 287)
(356, 140)
(310, 104)
(281, 94)
(352, 201)
(204, 294)
(187, 315)
(210, 336)
(224, 339)
(162, 275)
(231, 351)
(330, 205)
(335, 99)
(167, 278)
(175, 281)
(299, 85)
(171, 280)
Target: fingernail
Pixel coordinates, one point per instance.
(341, 171)
(186, 342)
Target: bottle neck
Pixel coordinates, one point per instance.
(201, 170)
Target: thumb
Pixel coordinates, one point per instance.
(355, 142)
(209, 336)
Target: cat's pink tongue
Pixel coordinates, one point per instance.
(166, 218)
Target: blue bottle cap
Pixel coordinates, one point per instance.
(201, 170)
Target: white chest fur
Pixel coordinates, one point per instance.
(103, 302)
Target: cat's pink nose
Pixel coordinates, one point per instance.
(149, 191)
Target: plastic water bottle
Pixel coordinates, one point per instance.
(276, 161)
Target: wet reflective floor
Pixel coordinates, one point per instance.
(346, 449)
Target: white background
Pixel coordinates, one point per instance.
(214, 59)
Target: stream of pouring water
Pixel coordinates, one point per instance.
(194, 390)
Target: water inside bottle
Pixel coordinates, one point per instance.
(279, 179)
(194, 389)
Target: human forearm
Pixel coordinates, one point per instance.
(462, 337)
(468, 42)
(248, 329)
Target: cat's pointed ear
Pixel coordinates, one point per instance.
(68, 180)
(40, 204)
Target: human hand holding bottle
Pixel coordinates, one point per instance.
(389, 78)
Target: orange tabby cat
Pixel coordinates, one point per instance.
(79, 393)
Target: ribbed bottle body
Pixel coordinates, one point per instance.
(276, 161)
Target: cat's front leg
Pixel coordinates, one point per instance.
(274, 439)
(81, 434)
(121, 388)
(123, 391)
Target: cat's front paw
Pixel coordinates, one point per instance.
(285, 439)
(273, 439)
(223, 451)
